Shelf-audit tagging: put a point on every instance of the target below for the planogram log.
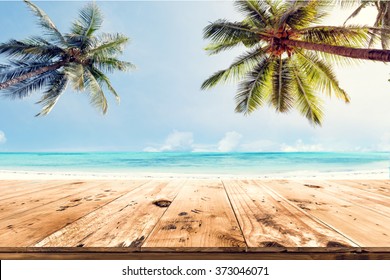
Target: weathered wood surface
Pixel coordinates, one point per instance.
(360, 224)
(370, 200)
(269, 221)
(124, 222)
(9, 189)
(29, 227)
(29, 201)
(199, 219)
(339, 217)
(379, 187)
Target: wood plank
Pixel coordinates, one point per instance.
(7, 185)
(300, 218)
(9, 190)
(199, 219)
(343, 189)
(124, 222)
(381, 187)
(270, 223)
(27, 228)
(382, 182)
(365, 227)
(27, 202)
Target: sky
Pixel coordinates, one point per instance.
(162, 106)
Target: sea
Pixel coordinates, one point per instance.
(257, 164)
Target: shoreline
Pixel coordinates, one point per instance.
(83, 175)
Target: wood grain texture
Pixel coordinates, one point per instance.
(10, 189)
(335, 218)
(27, 228)
(124, 222)
(343, 190)
(381, 187)
(361, 225)
(30, 200)
(199, 219)
(270, 223)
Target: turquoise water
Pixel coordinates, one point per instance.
(195, 163)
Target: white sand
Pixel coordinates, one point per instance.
(37, 175)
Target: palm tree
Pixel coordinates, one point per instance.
(382, 19)
(288, 57)
(80, 58)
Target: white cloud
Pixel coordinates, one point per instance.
(229, 142)
(179, 141)
(2, 137)
(299, 146)
(184, 142)
(175, 142)
(151, 150)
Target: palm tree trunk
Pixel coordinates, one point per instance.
(26, 76)
(369, 54)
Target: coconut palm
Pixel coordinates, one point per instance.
(288, 57)
(48, 64)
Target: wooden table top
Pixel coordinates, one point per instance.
(195, 218)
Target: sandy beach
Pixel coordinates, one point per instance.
(379, 174)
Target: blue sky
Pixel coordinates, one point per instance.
(162, 107)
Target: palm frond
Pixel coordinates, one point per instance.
(104, 81)
(256, 11)
(363, 5)
(75, 74)
(349, 36)
(4, 67)
(378, 23)
(320, 74)
(90, 19)
(50, 97)
(27, 87)
(382, 20)
(255, 89)
(306, 101)
(385, 41)
(302, 14)
(346, 3)
(237, 70)
(276, 8)
(96, 94)
(108, 44)
(219, 47)
(111, 64)
(222, 31)
(18, 68)
(215, 48)
(385, 24)
(46, 23)
(76, 41)
(281, 98)
(32, 48)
